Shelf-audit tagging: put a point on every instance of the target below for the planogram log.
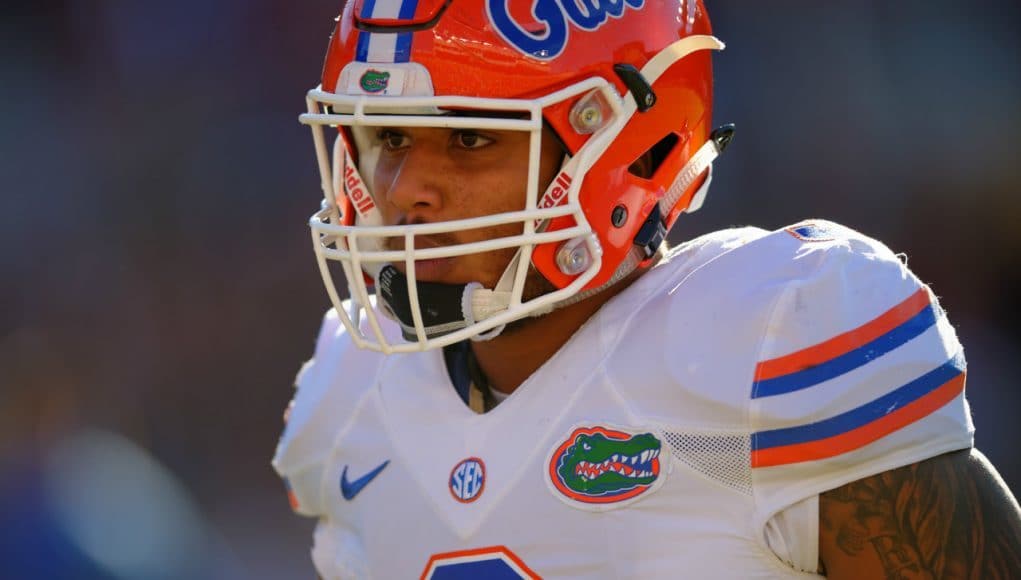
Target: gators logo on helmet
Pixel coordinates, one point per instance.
(374, 81)
(598, 465)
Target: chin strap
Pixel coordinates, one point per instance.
(446, 308)
(701, 161)
(440, 304)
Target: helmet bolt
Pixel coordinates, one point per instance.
(573, 257)
(619, 216)
(590, 113)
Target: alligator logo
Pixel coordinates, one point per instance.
(374, 81)
(599, 465)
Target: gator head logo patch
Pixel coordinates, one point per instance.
(601, 467)
(374, 81)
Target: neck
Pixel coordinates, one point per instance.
(510, 358)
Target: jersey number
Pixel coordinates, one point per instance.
(494, 562)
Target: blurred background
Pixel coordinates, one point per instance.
(159, 291)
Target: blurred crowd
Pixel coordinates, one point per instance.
(159, 290)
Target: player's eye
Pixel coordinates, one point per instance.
(391, 139)
(469, 139)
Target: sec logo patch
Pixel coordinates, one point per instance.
(467, 480)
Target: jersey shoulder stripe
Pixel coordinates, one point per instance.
(862, 425)
(858, 361)
(847, 351)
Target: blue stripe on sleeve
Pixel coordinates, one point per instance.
(848, 361)
(864, 414)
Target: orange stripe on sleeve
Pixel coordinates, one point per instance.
(843, 343)
(851, 440)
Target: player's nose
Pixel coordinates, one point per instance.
(415, 188)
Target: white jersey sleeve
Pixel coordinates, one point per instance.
(858, 371)
(328, 389)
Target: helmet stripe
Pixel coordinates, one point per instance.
(367, 9)
(402, 50)
(377, 47)
(408, 8)
(362, 52)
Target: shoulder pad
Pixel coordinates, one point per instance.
(859, 370)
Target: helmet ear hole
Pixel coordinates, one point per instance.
(649, 162)
(642, 167)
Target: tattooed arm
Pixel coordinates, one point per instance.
(946, 517)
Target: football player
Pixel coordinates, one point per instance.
(525, 382)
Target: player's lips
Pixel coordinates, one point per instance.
(433, 270)
(427, 270)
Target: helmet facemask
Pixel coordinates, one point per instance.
(349, 229)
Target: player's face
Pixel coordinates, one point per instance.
(427, 175)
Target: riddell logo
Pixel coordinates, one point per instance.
(355, 188)
(555, 196)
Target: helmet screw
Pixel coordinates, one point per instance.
(573, 257)
(590, 113)
(590, 118)
(619, 216)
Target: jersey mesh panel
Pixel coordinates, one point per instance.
(722, 457)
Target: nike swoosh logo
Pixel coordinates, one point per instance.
(349, 489)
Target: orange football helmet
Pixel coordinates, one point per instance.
(616, 80)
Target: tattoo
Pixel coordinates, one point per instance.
(946, 517)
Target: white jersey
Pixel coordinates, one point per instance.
(685, 430)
